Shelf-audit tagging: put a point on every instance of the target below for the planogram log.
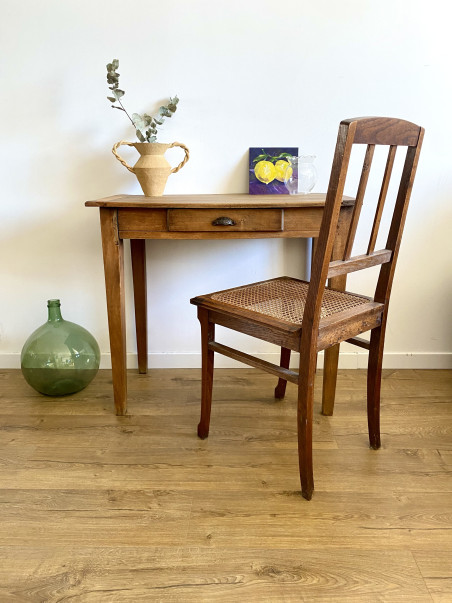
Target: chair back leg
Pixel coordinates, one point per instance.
(280, 389)
(331, 360)
(207, 357)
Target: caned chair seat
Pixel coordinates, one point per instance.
(284, 298)
(278, 306)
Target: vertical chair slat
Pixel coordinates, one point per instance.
(384, 284)
(359, 200)
(382, 198)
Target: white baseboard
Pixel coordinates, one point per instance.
(347, 360)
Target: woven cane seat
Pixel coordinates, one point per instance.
(285, 298)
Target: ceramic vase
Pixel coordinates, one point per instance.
(152, 169)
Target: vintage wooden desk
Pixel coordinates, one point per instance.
(235, 216)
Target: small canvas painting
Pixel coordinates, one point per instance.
(268, 168)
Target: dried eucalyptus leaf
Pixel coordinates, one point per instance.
(112, 99)
(118, 93)
(148, 119)
(139, 122)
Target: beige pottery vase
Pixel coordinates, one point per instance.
(152, 169)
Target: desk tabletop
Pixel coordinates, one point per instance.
(214, 201)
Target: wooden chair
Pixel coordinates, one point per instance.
(310, 317)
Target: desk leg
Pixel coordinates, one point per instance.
(314, 242)
(331, 359)
(113, 250)
(138, 252)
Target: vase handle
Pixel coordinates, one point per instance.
(185, 159)
(119, 158)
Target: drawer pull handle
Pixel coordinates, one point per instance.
(223, 221)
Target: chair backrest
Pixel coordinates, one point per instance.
(370, 131)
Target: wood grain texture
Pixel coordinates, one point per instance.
(113, 255)
(138, 257)
(359, 200)
(382, 198)
(393, 131)
(345, 225)
(263, 222)
(136, 219)
(284, 362)
(214, 201)
(204, 220)
(279, 371)
(358, 262)
(103, 508)
(220, 234)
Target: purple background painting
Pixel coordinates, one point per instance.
(256, 187)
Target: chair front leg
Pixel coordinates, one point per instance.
(374, 369)
(280, 389)
(207, 356)
(304, 419)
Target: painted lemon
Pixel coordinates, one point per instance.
(283, 170)
(265, 171)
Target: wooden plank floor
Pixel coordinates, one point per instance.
(99, 508)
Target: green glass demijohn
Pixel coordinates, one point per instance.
(60, 357)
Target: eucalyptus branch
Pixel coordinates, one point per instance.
(122, 107)
(145, 125)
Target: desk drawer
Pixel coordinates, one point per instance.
(224, 220)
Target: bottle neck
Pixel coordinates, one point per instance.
(53, 306)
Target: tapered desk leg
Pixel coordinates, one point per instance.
(331, 359)
(138, 251)
(113, 251)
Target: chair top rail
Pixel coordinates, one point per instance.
(386, 131)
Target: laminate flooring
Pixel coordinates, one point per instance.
(99, 508)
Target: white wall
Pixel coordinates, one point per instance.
(249, 73)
